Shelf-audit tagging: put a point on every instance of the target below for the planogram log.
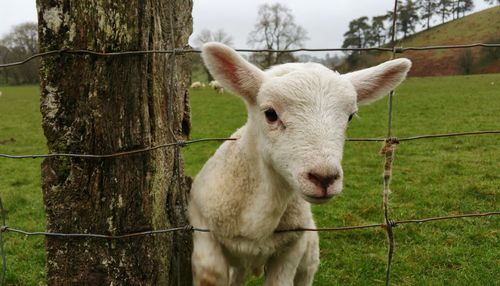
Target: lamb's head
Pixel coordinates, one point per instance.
(298, 113)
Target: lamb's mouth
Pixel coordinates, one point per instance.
(318, 199)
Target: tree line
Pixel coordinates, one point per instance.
(17, 45)
(364, 32)
(412, 15)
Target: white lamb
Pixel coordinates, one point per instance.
(216, 86)
(196, 85)
(287, 154)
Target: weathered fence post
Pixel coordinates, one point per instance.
(101, 105)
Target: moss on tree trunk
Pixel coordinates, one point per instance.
(102, 105)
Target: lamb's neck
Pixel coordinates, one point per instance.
(270, 193)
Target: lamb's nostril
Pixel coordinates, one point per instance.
(323, 181)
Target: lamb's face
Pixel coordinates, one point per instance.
(302, 116)
(300, 113)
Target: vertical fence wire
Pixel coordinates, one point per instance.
(388, 151)
(2, 250)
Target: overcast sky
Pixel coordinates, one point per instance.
(325, 20)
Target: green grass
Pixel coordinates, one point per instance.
(431, 177)
(20, 189)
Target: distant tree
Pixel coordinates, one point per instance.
(461, 6)
(275, 29)
(330, 61)
(407, 18)
(377, 30)
(24, 37)
(20, 43)
(468, 6)
(427, 9)
(492, 2)
(206, 36)
(4, 53)
(444, 9)
(454, 8)
(390, 20)
(327, 60)
(358, 34)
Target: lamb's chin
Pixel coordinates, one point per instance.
(317, 200)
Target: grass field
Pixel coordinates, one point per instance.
(431, 177)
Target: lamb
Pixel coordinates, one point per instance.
(287, 155)
(216, 86)
(196, 85)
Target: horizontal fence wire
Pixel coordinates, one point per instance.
(6, 229)
(119, 154)
(180, 51)
(394, 140)
(2, 250)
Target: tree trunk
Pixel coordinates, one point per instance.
(5, 70)
(102, 105)
(429, 15)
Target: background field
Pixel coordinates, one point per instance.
(431, 177)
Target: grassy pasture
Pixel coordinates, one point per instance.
(431, 177)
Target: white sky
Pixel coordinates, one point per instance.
(325, 20)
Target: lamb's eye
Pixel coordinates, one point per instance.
(350, 116)
(271, 115)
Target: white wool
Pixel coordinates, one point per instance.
(196, 85)
(265, 180)
(216, 86)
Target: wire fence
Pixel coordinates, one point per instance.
(388, 150)
(393, 140)
(395, 223)
(180, 51)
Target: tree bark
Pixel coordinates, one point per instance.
(102, 105)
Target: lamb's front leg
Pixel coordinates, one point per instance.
(210, 267)
(237, 276)
(310, 261)
(295, 265)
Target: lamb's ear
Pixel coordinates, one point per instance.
(375, 82)
(232, 71)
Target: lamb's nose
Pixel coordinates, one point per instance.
(322, 180)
